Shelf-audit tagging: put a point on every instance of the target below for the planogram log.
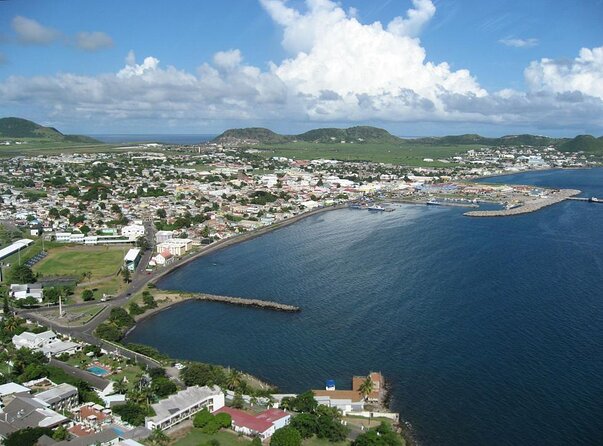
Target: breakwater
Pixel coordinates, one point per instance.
(258, 303)
(530, 206)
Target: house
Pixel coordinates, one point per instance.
(183, 405)
(163, 258)
(14, 247)
(133, 232)
(262, 425)
(175, 246)
(60, 398)
(46, 342)
(23, 291)
(132, 258)
(378, 385)
(247, 424)
(23, 411)
(162, 236)
(13, 389)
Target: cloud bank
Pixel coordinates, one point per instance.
(30, 31)
(338, 70)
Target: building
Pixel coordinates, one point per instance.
(247, 424)
(23, 291)
(133, 232)
(378, 392)
(132, 258)
(46, 342)
(163, 258)
(60, 398)
(183, 405)
(162, 236)
(13, 389)
(14, 247)
(27, 411)
(262, 425)
(175, 246)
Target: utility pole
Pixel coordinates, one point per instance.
(60, 305)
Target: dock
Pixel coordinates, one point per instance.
(241, 301)
(530, 206)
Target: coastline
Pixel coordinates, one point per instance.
(548, 169)
(231, 241)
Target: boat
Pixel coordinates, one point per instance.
(355, 206)
(433, 203)
(376, 207)
(593, 200)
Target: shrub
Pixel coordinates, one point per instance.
(202, 418)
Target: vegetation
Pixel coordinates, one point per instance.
(132, 413)
(22, 128)
(585, 143)
(383, 435)
(286, 436)
(210, 424)
(27, 437)
(223, 438)
(99, 261)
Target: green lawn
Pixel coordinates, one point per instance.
(226, 438)
(315, 441)
(41, 146)
(73, 261)
(411, 154)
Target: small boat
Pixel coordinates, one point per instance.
(593, 200)
(433, 203)
(376, 207)
(355, 206)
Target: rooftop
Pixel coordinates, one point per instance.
(182, 400)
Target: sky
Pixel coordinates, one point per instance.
(414, 67)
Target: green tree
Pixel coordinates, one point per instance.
(126, 274)
(87, 295)
(120, 317)
(305, 402)
(109, 332)
(149, 300)
(202, 418)
(383, 435)
(27, 437)
(163, 387)
(21, 274)
(223, 419)
(132, 413)
(60, 434)
(161, 213)
(237, 401)
(286, 436)
(306, 424)
(158, 437)
(135, 309)
(234, 379)
(5, 306)
(367, 387)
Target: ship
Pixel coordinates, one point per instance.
(433, 203)
(376, 207)
(593, 200)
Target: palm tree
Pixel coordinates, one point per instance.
(234, 379)
(12, 324)
(366, 388)
(121, 386)
(158, 437)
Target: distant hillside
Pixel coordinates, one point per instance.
(22, 128)
(508, 140)
(250, 135)
(584, 143)
(360, 134)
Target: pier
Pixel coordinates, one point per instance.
(590, 200)
(530, 206)
(258, 303)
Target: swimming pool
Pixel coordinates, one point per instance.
(98, 371)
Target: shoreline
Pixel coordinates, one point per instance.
(231, 241)
(548, 169)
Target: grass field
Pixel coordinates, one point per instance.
(405, 154)
(101, 261)
(226, 438)
(39, 146)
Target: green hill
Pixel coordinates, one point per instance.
(583, 143)
(22, 128)
(359, 134)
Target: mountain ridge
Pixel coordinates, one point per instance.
(12, 127)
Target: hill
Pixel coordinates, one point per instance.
(23, 128)
(259, 135)
(583, 143)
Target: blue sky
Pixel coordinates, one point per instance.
(414, 67)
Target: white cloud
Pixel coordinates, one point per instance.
(339, 70)
(415, 19)
(32, 32)
(93, 41)
(584, 74)
(519, 43)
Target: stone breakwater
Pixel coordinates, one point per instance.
(258, 303)
(529, 206)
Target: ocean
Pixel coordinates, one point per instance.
(488, 330)
(159, 138)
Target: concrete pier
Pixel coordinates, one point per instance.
(530, 206)
(258, 303)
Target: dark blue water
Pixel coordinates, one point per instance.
(490, 331)
(159, 138)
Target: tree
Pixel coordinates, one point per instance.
(163, 387)
(109, 332)
(125, 272)
(367, 387)
(149, 300)
(202, 375)
(131, 413)
(202, 418)
(87, 295)
(5, 306)
(21, 274)
(135, 309)
(120, 317)
(223, 419)
(383, 435)
(237, 401)
(143, 243)
(27, 436)
(256, 441)
(234, 379)
(158, 437)
(121, 386)
(305, 402)
(60, 434)
(306, 424)
(161, 213)
(286, 436)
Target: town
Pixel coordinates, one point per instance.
(85, 235)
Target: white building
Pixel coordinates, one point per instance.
(263, 425)
(46, 342)
(23, 291)
(132, 258)
(162, 236)
(183, 405)
(133, 232)
(175, 246)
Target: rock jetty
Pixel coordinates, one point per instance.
(529, 206)
(258, 303)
